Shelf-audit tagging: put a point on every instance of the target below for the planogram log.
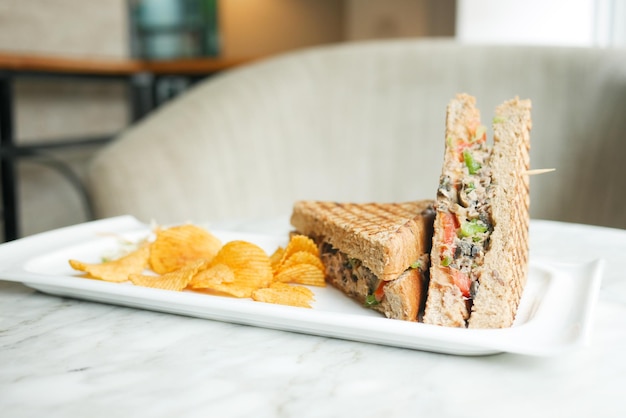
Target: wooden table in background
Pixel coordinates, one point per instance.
(142, 78)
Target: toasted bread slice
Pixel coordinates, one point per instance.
(480, 246)
(368, 250)
(504, 272)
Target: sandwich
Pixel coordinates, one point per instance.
(479, 257)
(376, 253)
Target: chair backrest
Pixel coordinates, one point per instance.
(365, 122)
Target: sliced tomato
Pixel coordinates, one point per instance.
(380, 291)
(449, 224)
(460, 147)
(462, 281)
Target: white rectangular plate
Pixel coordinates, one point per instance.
(554, 315)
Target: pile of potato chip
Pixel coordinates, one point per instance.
(188, 257)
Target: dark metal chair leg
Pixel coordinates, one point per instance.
(7, 159)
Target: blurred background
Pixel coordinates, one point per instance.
(53, 109)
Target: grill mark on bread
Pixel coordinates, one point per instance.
(377, 232)
(370, 218)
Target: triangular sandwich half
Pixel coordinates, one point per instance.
(376, 253)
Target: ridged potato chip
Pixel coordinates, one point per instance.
(212, 276)
(299, 243)
(175, 247)
(302, 257)
(306, 274)
(250, 265)
(174, 280)
(233, 289)
(300, 263)
(116, 271)
(284, 294)
(276, 257)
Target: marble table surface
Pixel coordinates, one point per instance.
(62, 357)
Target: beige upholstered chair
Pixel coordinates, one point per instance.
(364, 122)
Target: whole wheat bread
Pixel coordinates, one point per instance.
(505, 270)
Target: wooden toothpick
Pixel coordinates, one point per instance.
(539, 171)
